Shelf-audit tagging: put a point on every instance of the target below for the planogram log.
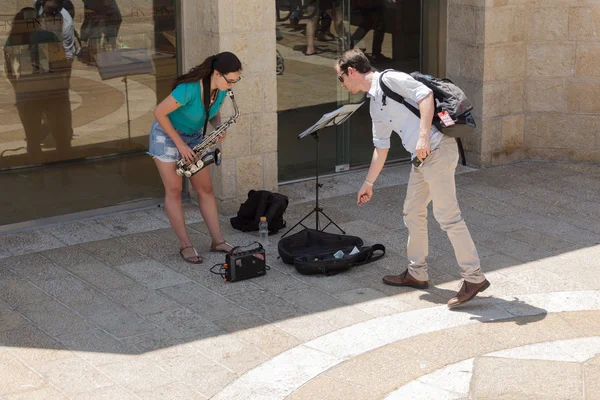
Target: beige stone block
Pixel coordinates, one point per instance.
(249, 94)
(251, 15)
(221, 18)
(561, 131)
(231, 206)
(537, 126)
(550, 59)
(548, 24)
(592, 381)
(467, 24)
(270, 171)
(334, 390)
(249, 174)
(261, 57)
(238, 140)
(496, 99)
(497, 3)
(224, 179)
(509, 60)
(587, 64)
(519, 24)
(584, 155)
(491, 135)
(448, 346)
(513, 128)
(555, 155)
(477, 159)
(545, 95)
(270, 94)
(584, 23)
(453, 59)
(503, 378)
(263, 132)
(465, 60)
(474, 91)
(378, 369)
(517, 95)
(581, 95)
(238, 43)
(498, 25)
(511, 157)
(587, 322)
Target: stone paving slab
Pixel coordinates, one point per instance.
(106, 308)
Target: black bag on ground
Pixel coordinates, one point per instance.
(261, 203)
(311, 252)
(448, 98)
(327, 264)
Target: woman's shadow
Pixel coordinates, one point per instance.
(479, 307)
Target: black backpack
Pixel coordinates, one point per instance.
(448, 98)
(261, 203)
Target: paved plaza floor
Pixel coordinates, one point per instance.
(106, 308)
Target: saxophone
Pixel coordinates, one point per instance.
(205, 157)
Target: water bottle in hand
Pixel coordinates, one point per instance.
(263, 231)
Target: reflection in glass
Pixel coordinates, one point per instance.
(401, 34)
(38, 65)
(79, 80)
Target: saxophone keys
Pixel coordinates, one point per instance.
(187, 174)
(179, 172)
(200, 164)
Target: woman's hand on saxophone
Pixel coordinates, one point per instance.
(186, 153)
(222, 137)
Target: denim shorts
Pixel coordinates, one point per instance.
(162, 146)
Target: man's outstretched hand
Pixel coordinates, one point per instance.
(364, 194)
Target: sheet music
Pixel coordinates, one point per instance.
(332, 118)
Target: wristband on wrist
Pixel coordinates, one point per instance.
(368, 183)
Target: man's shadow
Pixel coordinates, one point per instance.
(479, 307)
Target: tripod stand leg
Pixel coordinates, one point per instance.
(331, 222)
(299, 222)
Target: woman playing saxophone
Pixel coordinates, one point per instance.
(181, 121)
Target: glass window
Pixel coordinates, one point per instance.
(79, 82)
(311, 34)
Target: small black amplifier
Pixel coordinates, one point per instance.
(245, 263)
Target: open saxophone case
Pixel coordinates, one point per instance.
(314, 252)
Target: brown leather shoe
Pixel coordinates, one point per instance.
(404, 279)
(467, 291)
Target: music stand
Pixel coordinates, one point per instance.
(333, 118)
(122, 63)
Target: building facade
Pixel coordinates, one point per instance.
(73, 134)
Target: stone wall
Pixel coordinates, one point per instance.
(246, 28)
(531, 67)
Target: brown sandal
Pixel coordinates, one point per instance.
(198, 257)
(214, 247)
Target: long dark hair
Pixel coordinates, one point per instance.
(225, 62)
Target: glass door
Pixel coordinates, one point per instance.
(77, 104)
(407, 35)
(310, 37)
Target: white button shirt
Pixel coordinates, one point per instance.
(397, 117)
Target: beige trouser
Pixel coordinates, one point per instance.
(434, 181)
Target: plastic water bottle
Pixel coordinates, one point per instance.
(263, 231)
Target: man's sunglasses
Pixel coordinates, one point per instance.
(341, 77)
(230, 81)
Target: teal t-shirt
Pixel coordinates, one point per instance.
(190, 117)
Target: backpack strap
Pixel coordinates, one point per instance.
(387, 92)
